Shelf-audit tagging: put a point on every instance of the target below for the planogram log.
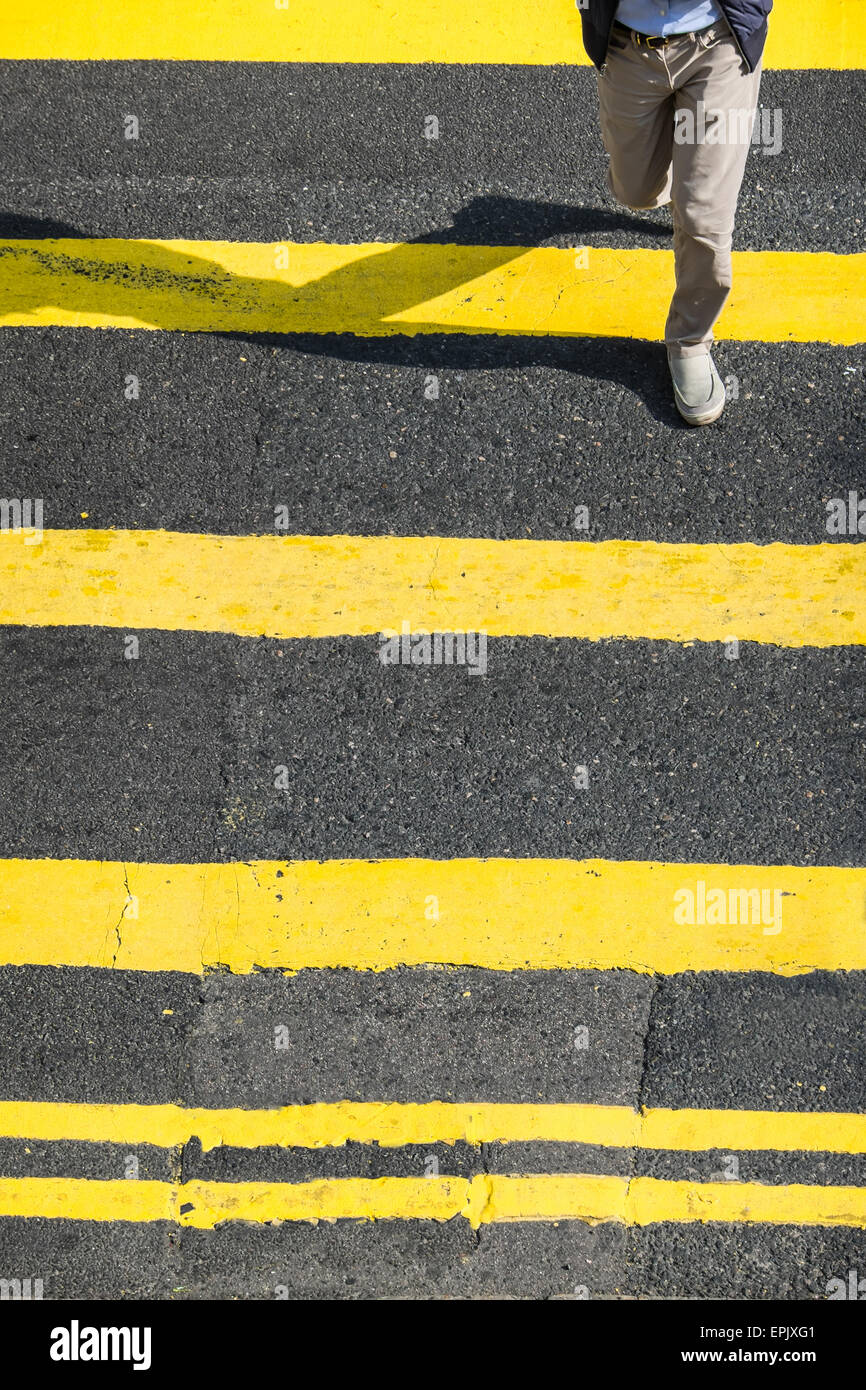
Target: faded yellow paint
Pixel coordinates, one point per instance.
(644, 1201)
(378, 289)
(84, 1199)
(803, 33)
(392, 1125)
(323, 586)
(500, 914)
(481, 1200)
(328, 1199)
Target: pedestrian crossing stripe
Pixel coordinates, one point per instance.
(803, 33)
(498, 914)
(481, 1200)
(392, 1125)
(380, 289)
(330, 586)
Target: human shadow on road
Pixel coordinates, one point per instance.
(166, 287)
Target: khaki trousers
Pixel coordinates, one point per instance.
(677, 125)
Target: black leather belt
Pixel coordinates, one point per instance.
(654, 41)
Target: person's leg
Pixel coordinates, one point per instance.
(636, 105)
(716, 97)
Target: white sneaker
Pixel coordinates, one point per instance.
(699, 391)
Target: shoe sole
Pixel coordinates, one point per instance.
(707, 419)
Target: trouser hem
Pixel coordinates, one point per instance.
(689, 349)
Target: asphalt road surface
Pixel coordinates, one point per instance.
(447, 1123)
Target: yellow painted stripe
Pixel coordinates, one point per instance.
(481, 1200)
(379, 289)
(324, 586)
(644, 1201)
(500, 914)
(391, 1125)
(803, 33)
(81, 1199)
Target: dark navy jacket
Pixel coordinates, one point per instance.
(747, 18)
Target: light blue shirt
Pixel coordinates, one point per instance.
(663, 17)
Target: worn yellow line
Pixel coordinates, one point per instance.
(803, 33)
(391, 1125)
(644, 1201)
(501, 914)
(481, 1200)
(327, 1200)
(323, 586)
(744, 1130)
(83, 1199)
(377, 289)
